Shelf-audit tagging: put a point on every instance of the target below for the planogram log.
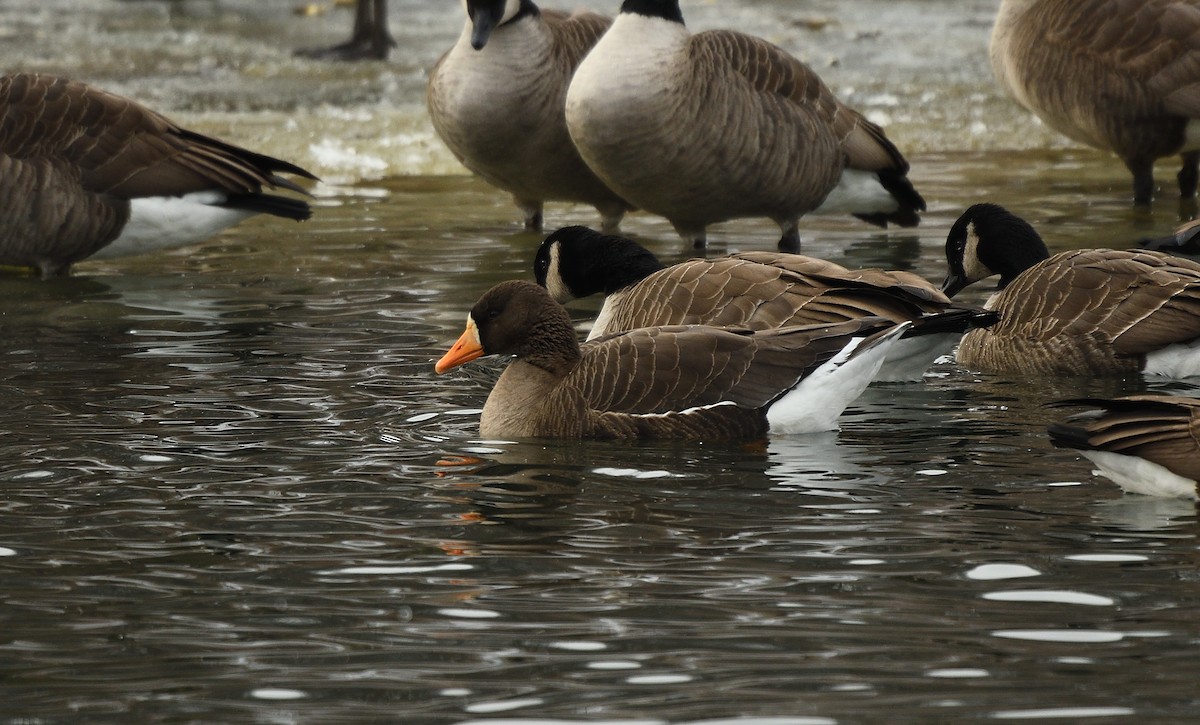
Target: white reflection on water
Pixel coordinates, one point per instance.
(503, 705)
(661, 679)
(277, 693)
(1077, 636)
(1063, 713)
(1056, 596)
(399, 569)
(579, 646)
(636, 473)
(468, 613)
(614, 665)
(958, 673)
(988, 572)
(1108, 558)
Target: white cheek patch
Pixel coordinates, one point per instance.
(554, 281)
(973, 269)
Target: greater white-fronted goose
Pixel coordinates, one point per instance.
(719, 125)
(1147, 444)
(1081, 312)
(87, 173)
(693, 382)
(496, 99)
(1117, 75)
(369, 39)
(757, 290)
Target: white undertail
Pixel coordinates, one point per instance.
(1137, 475)
(816, 403)
(165, 222)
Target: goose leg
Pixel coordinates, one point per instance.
(533, 213)
(1189, 175)
(382, 41)
(693, 233)
(369, 40)
(1143, 179)
(610, 217)
(790, 241)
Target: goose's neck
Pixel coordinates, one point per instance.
(505, 31)
(551, 345)
(1012, 9)
(1020, 257)
(527, 10)
(624, 270)
(665, 9)
(511, 407)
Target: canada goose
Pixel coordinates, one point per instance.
(1082, 312)
(496, 100)
(756, 290)
(1185, 240)
(89, 173)
(693, 382)
(1148, 444)
(719, 125)
(369, 40)
(1117, 75)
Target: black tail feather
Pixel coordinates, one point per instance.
(280, 206)
(910, 201)
(1063, 435)
(1184, 242)
(954, 320)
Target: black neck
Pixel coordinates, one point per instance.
(528, 10)
(590, 262)
(666, 9)
(1022, 248)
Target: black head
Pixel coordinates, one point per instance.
(576, 262)
(666, 9)
(988, 240)
(487, 15)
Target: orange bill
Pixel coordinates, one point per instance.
(467, 348)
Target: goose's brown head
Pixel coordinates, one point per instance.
(516, 318)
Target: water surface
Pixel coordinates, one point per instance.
(234, 490)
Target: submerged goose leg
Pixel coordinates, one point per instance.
(610, 217)
(1143, 179)
(533, 213)
(690, 232)
(790, 241)
(1189, 175)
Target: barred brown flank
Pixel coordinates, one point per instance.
(1161, 429)
(666, 382)
(721, 125)
(1117, 75)
(1080, 312)
(72, 157)
(756, 290)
